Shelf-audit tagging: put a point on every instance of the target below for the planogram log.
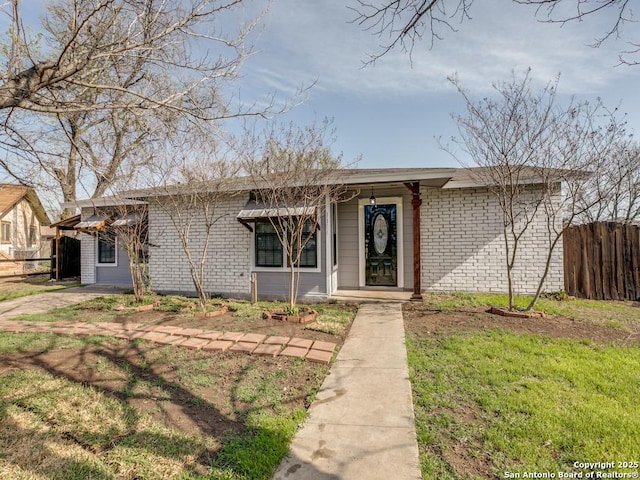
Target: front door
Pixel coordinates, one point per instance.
(381, 245)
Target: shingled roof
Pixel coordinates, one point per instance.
(11, 195)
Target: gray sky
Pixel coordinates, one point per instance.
(392, 112)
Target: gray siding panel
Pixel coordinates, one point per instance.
(118, 275)
(275, 285)
(348, 244)
(348, 240)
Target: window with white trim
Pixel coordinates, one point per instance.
(269, 251)
(6, 232)
(106, 248)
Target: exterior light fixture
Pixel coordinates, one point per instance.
(372, 198)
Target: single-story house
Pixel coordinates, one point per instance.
(22, 218)
(404, 229)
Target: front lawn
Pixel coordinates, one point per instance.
(105, 408)
(16, 287)
(496, 397)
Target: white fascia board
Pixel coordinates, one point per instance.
(102, 202)
(444, 173)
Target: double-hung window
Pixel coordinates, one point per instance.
(269, 251)
(106, 248)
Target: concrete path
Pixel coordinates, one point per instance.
(361, 425)
(43, 302)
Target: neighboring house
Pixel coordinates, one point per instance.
(428, 230)
(22, 218)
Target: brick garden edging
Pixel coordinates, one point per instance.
(515, 314)
(194, 338)
(309, 316)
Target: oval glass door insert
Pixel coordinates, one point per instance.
(380, 233)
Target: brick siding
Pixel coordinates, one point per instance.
(227, 269)
(463, 245)
(87, 259)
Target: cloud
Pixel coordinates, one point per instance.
(305, 42)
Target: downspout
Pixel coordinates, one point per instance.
(416, 202)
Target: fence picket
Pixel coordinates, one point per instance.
(602, 261)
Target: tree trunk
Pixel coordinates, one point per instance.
(547, 267)
(137, 280)
(292, 287)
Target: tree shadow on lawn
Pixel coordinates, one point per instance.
(144, 381)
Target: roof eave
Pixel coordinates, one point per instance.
(102, 202)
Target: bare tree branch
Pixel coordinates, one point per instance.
(406, 22)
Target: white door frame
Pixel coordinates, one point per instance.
(397, 201)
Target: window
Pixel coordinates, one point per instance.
(309, 255)
(33, 236)
(6, 232)
(106, 248)
(269, 251)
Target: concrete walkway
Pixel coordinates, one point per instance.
(361, 424)
(43, 302)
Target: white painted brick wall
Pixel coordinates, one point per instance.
(227, 269)
(87, 253)
(87, 259)
(463, 245)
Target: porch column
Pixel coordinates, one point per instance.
(416, 202)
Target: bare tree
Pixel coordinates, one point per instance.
(503, 137)
(617, 184)
(125, 227)
(85, 154)
(587, 143)
(295, 177)
(191, 202)
(537, 158)
(406, 22)
(108, 80)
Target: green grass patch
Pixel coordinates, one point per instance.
(70, 313)
(258, 453)
(333, 319)
(613, 313)
(522, 403)
(43, 342)
(23, 287)
(52, 427)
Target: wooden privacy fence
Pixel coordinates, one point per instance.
(602, 261)
(69, 261)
